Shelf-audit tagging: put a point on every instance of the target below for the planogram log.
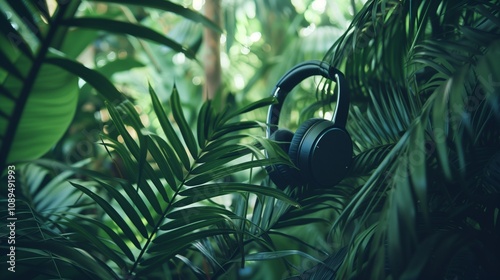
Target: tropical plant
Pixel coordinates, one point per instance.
(421, 199)
(39, 44)
(162, 217)
(425, 123)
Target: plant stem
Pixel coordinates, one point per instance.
(162, 218)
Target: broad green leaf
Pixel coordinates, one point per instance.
(169, 6)
(120, 65)
(120, 27)
(94, 78)
(48, 112)
(76, 40)
(9, 67)
(110, 68)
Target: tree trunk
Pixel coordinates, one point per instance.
(212, 50)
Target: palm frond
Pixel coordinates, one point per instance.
(421, 158)
(166, 210)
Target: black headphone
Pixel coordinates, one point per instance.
(321, 150)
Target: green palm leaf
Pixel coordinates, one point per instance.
(115, 216)
(61, 253)
(415, 149)
(183, 217)
(168, 129)
(180, 120)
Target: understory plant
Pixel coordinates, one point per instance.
(163, 218)
(420, 201)
(425, 121)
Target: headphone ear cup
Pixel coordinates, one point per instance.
(298, 136)
(282, 137)
(321, 151)
(283, 175)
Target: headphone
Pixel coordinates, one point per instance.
(320, 149)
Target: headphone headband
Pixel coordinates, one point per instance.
(299, 73)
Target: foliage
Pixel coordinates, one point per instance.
(182, 193)
(39, 73)
(78, 223)
(427, 144)
(156, 218)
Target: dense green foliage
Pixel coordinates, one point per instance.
(429, 132)
(118, 179)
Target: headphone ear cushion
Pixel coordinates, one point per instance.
(283, 175)
(321, 151)
(282, 137)
(297, 138)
